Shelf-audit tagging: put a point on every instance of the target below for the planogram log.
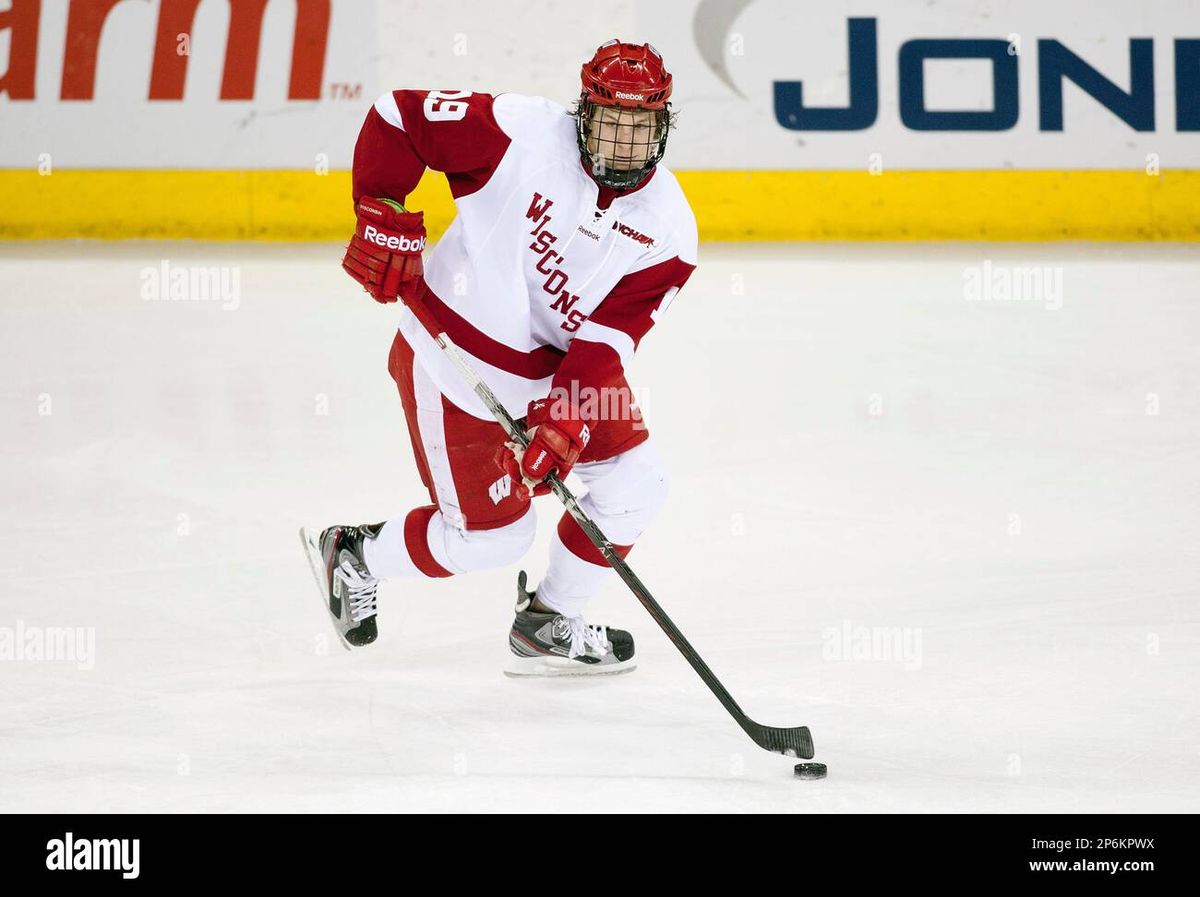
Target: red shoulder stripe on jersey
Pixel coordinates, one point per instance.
(385, 161)
(454, 134)
(534, 365)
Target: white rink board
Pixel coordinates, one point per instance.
(120, 127)
(724, 54)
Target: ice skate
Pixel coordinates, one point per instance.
(550, 644)
(347, 587)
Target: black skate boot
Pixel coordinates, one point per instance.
(347, 586)
(550, 644)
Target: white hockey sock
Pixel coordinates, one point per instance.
(386, 555)
(624, 493)
(423, 543)
(570, 581)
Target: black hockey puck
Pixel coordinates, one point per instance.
(811, 770)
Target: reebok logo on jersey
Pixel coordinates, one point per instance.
(388, 241)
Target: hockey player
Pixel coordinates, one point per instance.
(570, 239)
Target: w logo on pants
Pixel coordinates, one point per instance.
(501, 489)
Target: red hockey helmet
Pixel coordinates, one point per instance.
(623, 145)
(627, 75)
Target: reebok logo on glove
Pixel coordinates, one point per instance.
(384, 255)
(400, 244)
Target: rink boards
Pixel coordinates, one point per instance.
(729, 205)
(962, 119)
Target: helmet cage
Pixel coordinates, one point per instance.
(650, 137)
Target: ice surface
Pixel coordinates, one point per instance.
(1010, 489)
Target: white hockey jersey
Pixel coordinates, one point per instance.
(545, 278)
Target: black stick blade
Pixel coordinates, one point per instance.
(795, 742)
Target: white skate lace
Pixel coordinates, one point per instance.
(582, 636)
(361, 591)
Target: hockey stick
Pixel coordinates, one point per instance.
(794, 742)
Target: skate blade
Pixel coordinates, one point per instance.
(317, 564)
(560, 667)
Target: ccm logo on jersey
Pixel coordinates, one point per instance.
(402, 244)
(638, 237)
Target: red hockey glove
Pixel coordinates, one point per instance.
(555, 443)
(384, 254)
